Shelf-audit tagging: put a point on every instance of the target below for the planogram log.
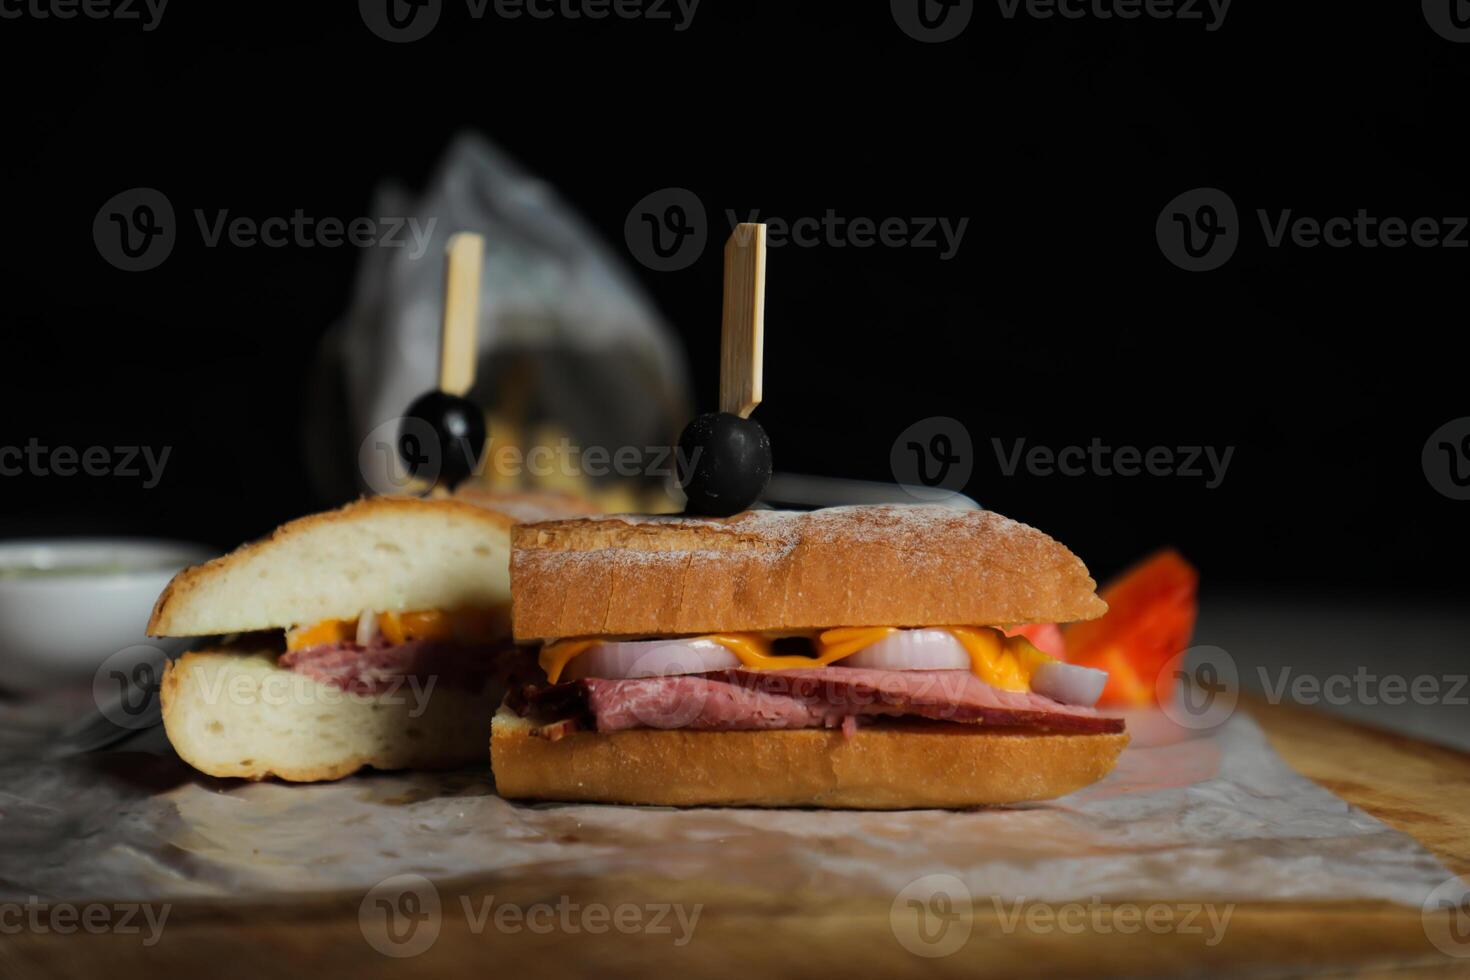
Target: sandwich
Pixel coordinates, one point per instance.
(375, 635)
(860, 657)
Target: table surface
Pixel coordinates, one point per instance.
(1395, 664)
(1419, 788)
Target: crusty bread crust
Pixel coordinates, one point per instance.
(233, 713)
(887, 766)
(889, 565)
(377, 535)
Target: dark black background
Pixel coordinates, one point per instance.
(1059, 320)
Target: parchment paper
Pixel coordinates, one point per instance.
(1219, 815)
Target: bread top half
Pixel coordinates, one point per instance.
(887, 565)
(399, 554)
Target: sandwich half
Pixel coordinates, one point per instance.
(375, 635)
(849, 657)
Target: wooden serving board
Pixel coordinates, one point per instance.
(1421, 789)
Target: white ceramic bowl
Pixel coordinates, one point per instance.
(68, 604)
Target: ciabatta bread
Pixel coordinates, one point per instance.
(384, 553)
(886, 766)
(235, 713)
(889, 565)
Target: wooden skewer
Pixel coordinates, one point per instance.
(458, 336)
(743, 327)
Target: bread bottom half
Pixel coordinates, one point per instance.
(885, 766)
(236, 713)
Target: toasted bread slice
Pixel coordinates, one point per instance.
(889, 565)
(887, 766)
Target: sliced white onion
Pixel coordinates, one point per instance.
(649, 658)
(919, 649)
(911, 650)
(1069, 683)
(367, 627)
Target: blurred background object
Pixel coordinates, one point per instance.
(68, 606)
(571, 355)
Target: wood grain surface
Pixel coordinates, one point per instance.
(1418, 788)
(743, 322)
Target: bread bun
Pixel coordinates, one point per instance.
(890, 765)
(889, 565)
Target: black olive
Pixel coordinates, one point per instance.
(456, 428)
(724, 464)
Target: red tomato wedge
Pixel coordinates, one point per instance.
(1046, 637)
(1150, 618)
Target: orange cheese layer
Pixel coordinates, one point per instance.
(461, 625)
(1006, 662)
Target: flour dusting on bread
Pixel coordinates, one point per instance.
(889, 565)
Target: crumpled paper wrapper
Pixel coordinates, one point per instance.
(568, 343)
(1219, 816)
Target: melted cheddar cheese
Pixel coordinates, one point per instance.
(1006, 662)
(462, 625)
(554, 657)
